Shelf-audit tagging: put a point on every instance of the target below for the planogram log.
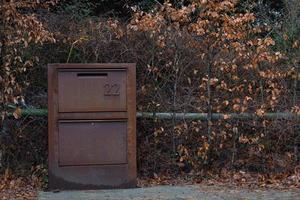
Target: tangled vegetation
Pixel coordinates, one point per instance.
(220, 56)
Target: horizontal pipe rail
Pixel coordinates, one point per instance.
(182, 116)
(216, 116)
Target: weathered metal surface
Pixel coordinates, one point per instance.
(91, 90)
(86, 142)
(92, 143)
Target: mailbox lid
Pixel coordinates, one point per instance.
(92, 90)
(92, 142)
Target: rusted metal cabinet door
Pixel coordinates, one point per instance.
(92, 138)
(95, 142)
(91, 90)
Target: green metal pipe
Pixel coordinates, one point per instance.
(216, 116)
(32, 112)
(181, 116)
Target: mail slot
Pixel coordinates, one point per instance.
(91, 126)
(91, 90)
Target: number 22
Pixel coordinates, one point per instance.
(111, 89)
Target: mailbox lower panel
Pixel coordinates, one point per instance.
(85, 142)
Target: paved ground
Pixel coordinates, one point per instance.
(174, 193)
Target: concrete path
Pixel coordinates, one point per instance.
(174, 193)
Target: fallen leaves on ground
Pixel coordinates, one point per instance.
(229, 178)
(14, 187)
(17, 188)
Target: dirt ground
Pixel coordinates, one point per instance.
(188, 192)
(237, 186)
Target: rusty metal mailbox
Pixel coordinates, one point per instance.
(92, 124)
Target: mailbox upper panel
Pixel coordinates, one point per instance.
(92, 90)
